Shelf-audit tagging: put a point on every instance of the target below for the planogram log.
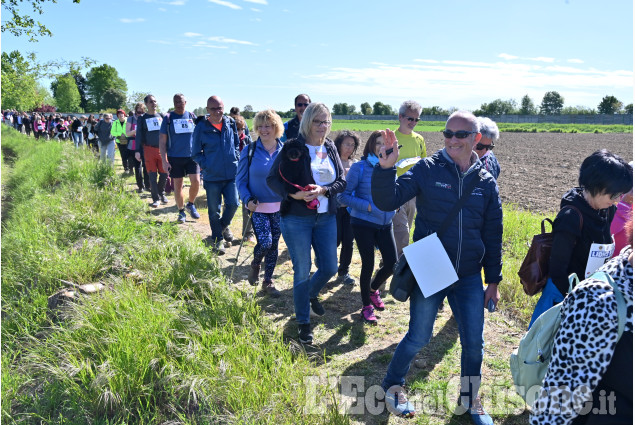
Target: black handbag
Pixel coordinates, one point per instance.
(403, 280)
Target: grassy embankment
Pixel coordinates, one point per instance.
(170, 341)
(368, 125)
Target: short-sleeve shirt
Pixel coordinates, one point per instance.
(180, 137)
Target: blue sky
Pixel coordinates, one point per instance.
(452, 53)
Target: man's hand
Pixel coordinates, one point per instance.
(166, 166)
(390, 142)
(491, 293)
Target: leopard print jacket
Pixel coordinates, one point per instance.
(585, 343)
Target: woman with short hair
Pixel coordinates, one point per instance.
(262, 202)
(308, 214)
(582, 239)
(484, 148)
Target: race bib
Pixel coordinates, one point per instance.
(183, 126)
(154, 123)
(599, 253)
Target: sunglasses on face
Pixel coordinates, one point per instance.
(480, 146)
(461, 134)
(412, 119)
(300, 105)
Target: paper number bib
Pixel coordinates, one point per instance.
(154, 123)
(599, 253)
(182, 125)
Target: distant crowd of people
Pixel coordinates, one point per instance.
(296, 183)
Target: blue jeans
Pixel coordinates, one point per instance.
(300, 233)
(466, 297)
(107, 152)
(549, 297)
(226, 189)
(78, 138)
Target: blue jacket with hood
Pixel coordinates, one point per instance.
(216, 152)
(474, 238)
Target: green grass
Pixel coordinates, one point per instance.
(170, 341)
(432, 126)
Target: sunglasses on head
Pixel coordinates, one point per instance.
(480, 146)
(461, 134)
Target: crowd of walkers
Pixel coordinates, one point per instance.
(294, 182)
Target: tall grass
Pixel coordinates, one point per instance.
(170, 341)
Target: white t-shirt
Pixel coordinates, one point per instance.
(323, 171)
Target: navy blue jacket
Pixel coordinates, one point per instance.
(474, 238)
(357, 195)
(216, 152)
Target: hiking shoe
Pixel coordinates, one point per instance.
(252, 278)
(219, 247)
(304, 333)
(368, 315)
(181, 218)
(139, 190)
(398, 404)
(164, 199)
(316, 308)
(191, 208)
(155, 204)
(346, 279)
(477, 412)
(269, 289)
(249, 238)
(228, 235)
(376, 300)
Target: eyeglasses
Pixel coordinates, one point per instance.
(461, 134)
(320, 123)
(617, 197)
(219, 108)
(412, 119)
(480, 146)
(299, 105)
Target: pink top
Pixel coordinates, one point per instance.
(617, 226)
(268, 207)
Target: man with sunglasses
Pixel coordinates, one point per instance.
(292, 127)
(473, 241)
(490, 134)
(413, 148)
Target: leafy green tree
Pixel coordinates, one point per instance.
(628, 109)
(610, 105)
(113, 99)
(497, 107)
(382, 109)
(578, 110)
(22, 24)
(552, 103)
(366, 109)
(19, 82)
(101, 78)
(434, 110)
(248, 112)
(200, 111)
(527, 106)
(66, 94)
(134, 98)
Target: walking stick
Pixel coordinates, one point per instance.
(241, 245)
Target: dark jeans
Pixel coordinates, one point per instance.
(344, 237)
(123, 151)
(157, 188)
(367, 237)
(248, 229)
(135, 165)
(216, 191)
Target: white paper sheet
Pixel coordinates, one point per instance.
(430, 265)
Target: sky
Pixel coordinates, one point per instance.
(450, 53)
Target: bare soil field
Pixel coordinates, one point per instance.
(538, 168)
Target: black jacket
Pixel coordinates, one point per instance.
(298, 207)
(292, 128)
(571, 246)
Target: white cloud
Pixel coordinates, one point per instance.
(468, 84)
(286, 11)
(256, 20)
(162, 9)
(542, 59)
(225, 3)
(192, 34)
(253, 9)
(426, 60)
(507, 56)
(263, 2)
(131, 21)
(222, 39)
(167, 43)
(176, 3)
(575, 61)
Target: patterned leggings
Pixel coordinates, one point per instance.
(267, 231)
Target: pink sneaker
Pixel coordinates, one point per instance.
(376, 300)
(368, 315)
